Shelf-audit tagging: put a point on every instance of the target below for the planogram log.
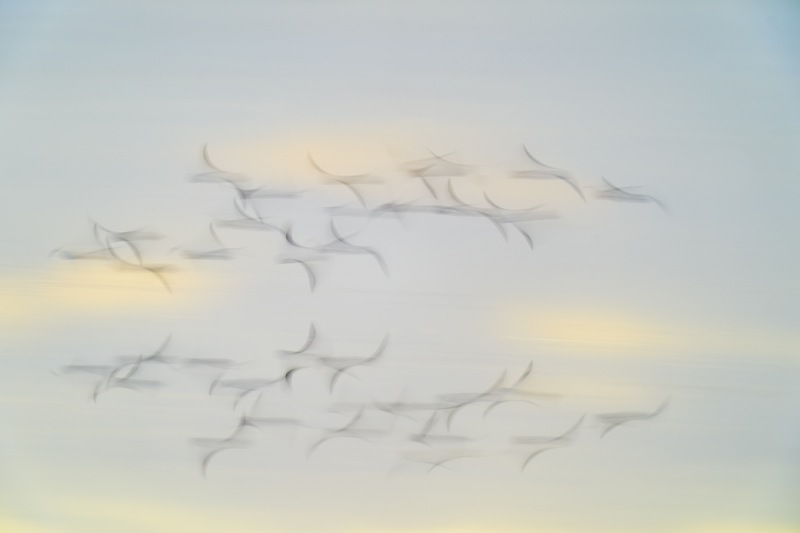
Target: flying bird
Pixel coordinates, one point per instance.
(312, 277)
(548, 172)
(612, 192)
(614, 420)
(312, 336)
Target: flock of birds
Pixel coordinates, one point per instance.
(425, 430)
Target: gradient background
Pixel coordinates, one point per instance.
(104, 107)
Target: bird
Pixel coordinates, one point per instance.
(563, 437)
(102, 254)
(212, 362)
(157, 356)
(126, 383)
(213, 453)
(342, 365)
(216, 174)
(156, 270)
(501, 393)
(525, 235)
(536, 454)
(612, 192)
(342, 246)
(220, 252)
(548, 172)
(346, 431)
(312, 277)
(310, 339)
(352, 177)
(446, 167)
(139, 234)
(352, 188)
(451, 190)
(614, 420)
(465, 400)
(500, 208)
(248, 221)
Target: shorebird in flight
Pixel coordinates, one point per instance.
(612, 192)
(614, 420)
(547, 172)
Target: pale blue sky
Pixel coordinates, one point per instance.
(104, 108)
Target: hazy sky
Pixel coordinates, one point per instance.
(104, 110)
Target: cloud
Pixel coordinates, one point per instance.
(285, 159)
(159, 518)
(612, 332)
(722, 527)
(91, 288)
(89, 515)
(16, 525)
(586, 328)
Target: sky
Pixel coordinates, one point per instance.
(687, 299)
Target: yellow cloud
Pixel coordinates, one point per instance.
(91, 288)
(584, 387)
(340, 149)
(99, 514)
(740, 528)
(157, 518)
(285, 159)
(615, 332)
(584, 327)
(12, 525)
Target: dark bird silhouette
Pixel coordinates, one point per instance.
(501, 394)
(451, 190)
(230, 445)
(441, 166)
(342, 246)
(221, 252)
(501, 208)
(352, 188)
(463, 400)
(248, 221)
(352, 177)
(564, 437)
(211, 362)
(614, 420)
(216, 175)
(312, 336)
(419, 173)
(250, 385)
(535, 454)
(312, 277)
(342, 365)
(125, 383)
(548, 172)
(155, 270)
(612, 192)
(346, 431)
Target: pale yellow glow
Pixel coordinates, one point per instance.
(340, 150)
(738, 528)
(285, 159)
(609, 390)
(586, 327)
(381, 151)
(74, 288)
(12, 525)
(158, 518)
(611, 332)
